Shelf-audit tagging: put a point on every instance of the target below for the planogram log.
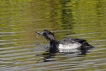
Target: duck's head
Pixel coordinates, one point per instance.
(47, 35)
(51, 38)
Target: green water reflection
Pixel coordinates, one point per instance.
(19, 19)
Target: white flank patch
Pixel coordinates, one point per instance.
(68, 47)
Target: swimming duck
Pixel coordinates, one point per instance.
(65, 45)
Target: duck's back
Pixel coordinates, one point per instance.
(71, 40)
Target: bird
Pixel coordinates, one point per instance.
(66, 45)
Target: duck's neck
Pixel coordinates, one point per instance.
(54, 46)
(53, 43)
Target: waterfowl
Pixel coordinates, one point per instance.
(66, 44)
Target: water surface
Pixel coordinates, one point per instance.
(19, 20)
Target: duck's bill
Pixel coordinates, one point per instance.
(40, 33)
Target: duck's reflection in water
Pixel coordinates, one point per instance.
(47, 57)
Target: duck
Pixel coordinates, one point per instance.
(66, 45)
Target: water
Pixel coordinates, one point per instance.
(19, 20)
